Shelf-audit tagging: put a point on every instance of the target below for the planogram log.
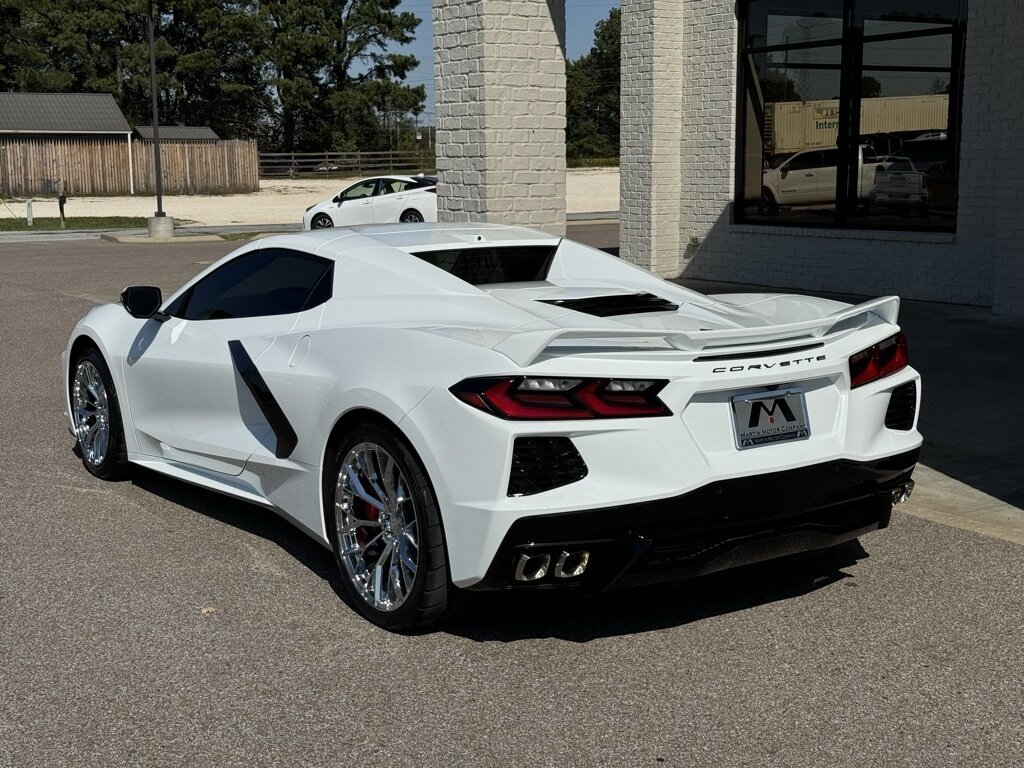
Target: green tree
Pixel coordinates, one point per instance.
(592, 95)
(776, 88)
(332, 76)
(297, 74)
(870, 87)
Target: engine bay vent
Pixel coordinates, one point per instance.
(609, 306)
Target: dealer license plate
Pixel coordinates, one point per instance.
(763, 418)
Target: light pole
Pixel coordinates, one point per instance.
(159, 225)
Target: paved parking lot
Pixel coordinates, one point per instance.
(151, 623)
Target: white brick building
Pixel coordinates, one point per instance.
(706, 90)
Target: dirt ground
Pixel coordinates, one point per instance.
(281, 201)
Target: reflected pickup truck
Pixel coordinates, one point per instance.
(809, 178)
(899, 184)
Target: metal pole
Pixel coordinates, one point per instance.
(156, 119)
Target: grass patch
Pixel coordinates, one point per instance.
(233, 236)
(51, 224)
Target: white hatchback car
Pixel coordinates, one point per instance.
(380, 200)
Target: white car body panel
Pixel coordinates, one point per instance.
(398, 332)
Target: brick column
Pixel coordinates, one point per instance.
(499, 74)
(651, 132)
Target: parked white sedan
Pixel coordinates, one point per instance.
(380, 200)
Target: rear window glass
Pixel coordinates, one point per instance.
(494, 264)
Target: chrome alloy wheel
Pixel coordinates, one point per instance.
(376, 526)
(91, 413)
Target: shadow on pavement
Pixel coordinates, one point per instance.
(507, 617)
(972, 406)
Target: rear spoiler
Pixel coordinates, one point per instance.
(525, 347)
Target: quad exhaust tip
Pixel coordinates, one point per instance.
(534, 567)
(901, 493)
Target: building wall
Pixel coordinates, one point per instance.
(982, 263)
(651, 129)
(499, 72)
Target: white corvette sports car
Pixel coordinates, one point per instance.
(380, 200)
(478, 407)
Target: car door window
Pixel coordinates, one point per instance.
(394, 186)
(360, 190)
(270, 281)
(805, 161)
(829, 158)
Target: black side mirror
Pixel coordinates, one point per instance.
(784, 172)
(141, 301)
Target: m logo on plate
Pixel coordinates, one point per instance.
(778, 404)
(764, 418)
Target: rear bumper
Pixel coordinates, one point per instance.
(721, 525)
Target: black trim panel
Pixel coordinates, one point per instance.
(721, 525)
(286, 437)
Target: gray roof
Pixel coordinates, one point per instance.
(178, 133)
(60, 113)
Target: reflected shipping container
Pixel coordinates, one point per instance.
(795, 125)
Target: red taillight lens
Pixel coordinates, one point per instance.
(879, 360)
(433, 189)
(535, 398)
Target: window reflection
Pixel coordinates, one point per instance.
(850, 123)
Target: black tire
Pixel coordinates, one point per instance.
(768, 206)
(431, 596)
(321, 221)
(411, 217)
(113, 464)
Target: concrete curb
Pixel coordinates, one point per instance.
(147, 240)
(941, 499)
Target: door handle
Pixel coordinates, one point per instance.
(809, 175)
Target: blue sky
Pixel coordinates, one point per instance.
(580, 15)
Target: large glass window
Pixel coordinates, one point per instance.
(849, 112)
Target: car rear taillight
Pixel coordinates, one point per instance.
(879, 360)
(432, 189)
(528, 398)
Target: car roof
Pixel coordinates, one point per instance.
(427, 236)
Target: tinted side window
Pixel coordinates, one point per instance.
(359, 191)
(805, 160)
(272, 281)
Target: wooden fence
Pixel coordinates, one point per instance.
(341, 164)
(35, 166)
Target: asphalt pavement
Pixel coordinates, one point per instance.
(151, 623)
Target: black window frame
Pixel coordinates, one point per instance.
(320, 293)
(849, 140)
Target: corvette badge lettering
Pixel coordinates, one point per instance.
(768, 366)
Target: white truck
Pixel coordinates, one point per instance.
(899, 184)
(809, 178)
